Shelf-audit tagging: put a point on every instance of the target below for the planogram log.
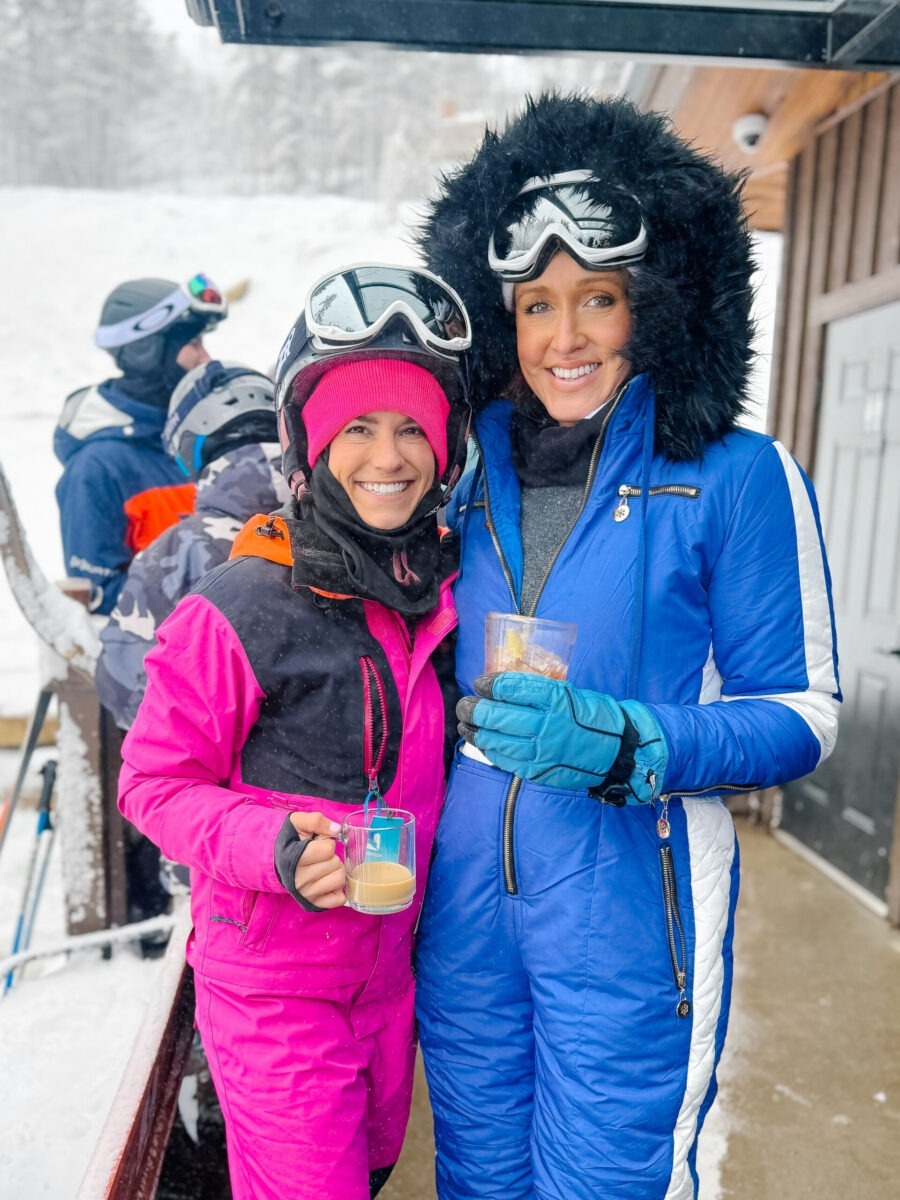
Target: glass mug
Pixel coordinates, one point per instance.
(379, 859)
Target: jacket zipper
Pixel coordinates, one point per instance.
(504, 565)
(622, 510)
(373, 691)
(512, 794)
(713, 789)
(674, 929)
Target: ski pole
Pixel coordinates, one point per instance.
(43, 823)
(45, 838)
(35, 725)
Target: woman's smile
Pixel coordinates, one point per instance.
(571, 328)
(385, 464)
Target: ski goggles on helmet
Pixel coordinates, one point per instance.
(601, 227)
(205, 296)
(348, 309)
(199, 297)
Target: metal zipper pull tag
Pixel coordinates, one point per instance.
(622, 512)
(663, 828)
(683, 1007)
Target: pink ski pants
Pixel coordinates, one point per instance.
(315, 1091)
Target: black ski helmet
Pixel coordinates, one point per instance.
(140, 316)
(689, 296)
(304, 359)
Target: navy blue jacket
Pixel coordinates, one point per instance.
(109, 445)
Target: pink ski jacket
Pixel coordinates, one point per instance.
(264, 699)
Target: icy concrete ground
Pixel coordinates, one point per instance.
(809, 1098)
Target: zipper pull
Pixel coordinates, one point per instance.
(663, 828)
(373, 796)
(622, 512)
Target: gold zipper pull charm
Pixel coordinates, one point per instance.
(622, 512)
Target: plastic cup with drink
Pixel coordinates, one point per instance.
(533, 644)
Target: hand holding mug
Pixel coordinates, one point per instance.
(319, 877)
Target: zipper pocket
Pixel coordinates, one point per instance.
(373, 696)
(674, 930)
(712, 790)
(622, 511)
(509, 820)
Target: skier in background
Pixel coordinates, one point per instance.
(222, 434)
(119, 488)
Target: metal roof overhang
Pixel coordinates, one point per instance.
(841, 34)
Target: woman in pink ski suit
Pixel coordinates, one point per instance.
(298, 677)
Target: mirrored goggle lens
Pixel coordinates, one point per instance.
(599, 224)
(204, 293)
(355, 304)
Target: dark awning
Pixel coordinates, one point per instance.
(857, 34)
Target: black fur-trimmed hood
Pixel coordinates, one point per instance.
(690, 298)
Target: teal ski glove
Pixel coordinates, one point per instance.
(566, 737)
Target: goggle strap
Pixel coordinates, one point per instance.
(155, 319)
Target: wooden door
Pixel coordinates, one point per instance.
(845, 809)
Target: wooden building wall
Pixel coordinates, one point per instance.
(842, 251)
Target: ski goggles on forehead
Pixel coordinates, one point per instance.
(350, 308)
(601, 227)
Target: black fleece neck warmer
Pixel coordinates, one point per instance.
(547, 454)
(148, 389)
(335, 551)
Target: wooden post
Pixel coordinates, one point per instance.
(80, 805)
(91, 829)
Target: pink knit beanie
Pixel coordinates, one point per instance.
(363, 385)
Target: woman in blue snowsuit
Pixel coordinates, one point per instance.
(575, 955)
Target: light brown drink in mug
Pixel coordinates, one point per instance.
(380, 886)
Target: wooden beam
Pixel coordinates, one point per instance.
(855, 297)
(888, 249)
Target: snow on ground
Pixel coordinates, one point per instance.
(66, 1028)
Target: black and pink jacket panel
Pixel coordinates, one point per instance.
(262, 700)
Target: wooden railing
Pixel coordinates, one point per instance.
(128, 1156)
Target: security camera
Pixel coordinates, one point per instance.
(747, 131)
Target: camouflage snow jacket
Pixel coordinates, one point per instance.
(242, 482)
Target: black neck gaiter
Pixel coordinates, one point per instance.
(335, 551)
(147, 389)
(547, 454)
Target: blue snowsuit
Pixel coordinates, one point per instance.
(575, 959)
(109, 445)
